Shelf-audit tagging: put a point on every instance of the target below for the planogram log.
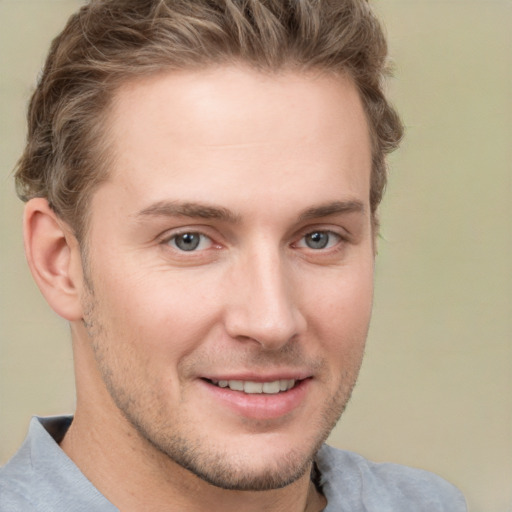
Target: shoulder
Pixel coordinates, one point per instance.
(351, 482)
(16, 481)
(13, 501)
(42, 478)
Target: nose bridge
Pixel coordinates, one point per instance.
(264, 308)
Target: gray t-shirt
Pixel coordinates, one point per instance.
(42, 478)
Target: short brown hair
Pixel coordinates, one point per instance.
(111, 41)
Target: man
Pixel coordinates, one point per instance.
(202, 181)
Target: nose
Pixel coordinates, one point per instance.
(263, 302)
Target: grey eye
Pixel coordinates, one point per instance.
(187, 241)
(317, 240)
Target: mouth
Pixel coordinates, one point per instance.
(256, 388)
(257, 398)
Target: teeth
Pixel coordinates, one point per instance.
(271, 387)
(285, 384)
(236, 385)
(251, 387)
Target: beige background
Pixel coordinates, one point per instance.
(436, 388)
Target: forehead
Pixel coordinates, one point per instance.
(182, 134)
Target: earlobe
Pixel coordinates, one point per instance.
(53, 256)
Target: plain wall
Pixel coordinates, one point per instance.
(436, 387)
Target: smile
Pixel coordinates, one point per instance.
(252, 387)
(256, 399)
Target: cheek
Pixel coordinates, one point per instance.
(339, 315)
(343, 298)
(161, 313)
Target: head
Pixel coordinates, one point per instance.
(109, 43)
(214, 169)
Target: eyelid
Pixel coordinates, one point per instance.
(168, 235)
(337, 230)
(203, 239)
(338, 236)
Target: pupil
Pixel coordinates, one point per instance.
(187, 241)
(317, 240)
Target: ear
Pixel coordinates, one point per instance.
(53, 255)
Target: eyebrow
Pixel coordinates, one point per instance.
(188, 209)
(333, 208)
(204, 211)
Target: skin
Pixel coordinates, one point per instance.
(252, 165)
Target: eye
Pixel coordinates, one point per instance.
(190, 241)
(319, 240)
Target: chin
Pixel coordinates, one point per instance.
(244, 473)
(254, 462)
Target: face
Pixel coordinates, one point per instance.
(230, 262)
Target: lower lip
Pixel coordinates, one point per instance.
(260, 406)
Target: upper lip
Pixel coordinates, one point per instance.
(260, 377)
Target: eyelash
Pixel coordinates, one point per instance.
(330, 244)
(193, 236)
